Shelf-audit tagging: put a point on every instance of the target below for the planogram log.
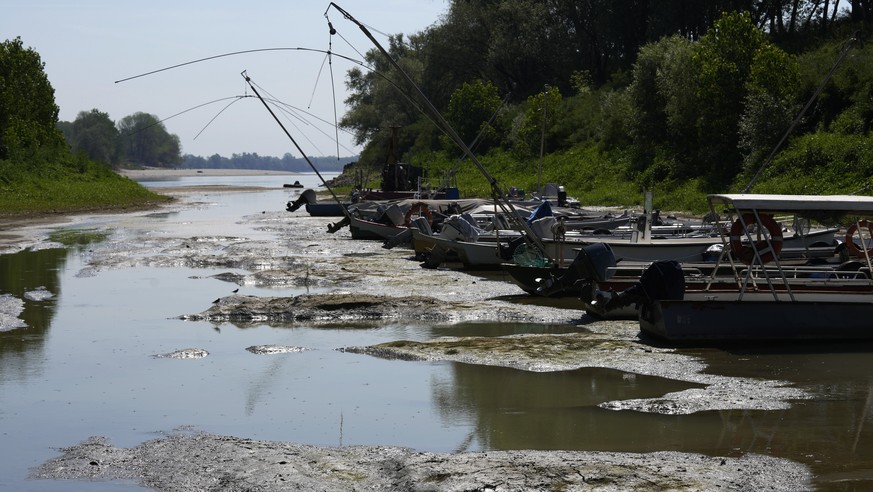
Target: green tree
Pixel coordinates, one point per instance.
(95, 134)
(770, 104)
(535, 127)
(471, 108)
(28, 113)
(145, 141)
(663, 115)
(381, 98)
(723, 63)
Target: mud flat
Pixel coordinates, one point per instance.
(210, 462)
(360, 281)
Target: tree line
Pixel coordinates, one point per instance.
(673, 89)
(39, 171)
(251, 160)
(138, 139)
(142, 139)
(32, 139)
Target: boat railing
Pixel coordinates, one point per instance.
(814, 272)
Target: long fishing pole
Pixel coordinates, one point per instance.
(314, 50)
(323, 181)
(234, 53)
(286, 108)
(800, 115)
(444, 125)
(479, 135)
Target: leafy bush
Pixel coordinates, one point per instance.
(821, 163)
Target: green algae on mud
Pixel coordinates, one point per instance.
(604, 349)
(78, 237)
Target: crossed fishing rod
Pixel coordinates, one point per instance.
(425, 107)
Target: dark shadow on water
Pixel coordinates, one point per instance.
(763, 347)
(20, 273)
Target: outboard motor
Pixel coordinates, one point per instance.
(591, 264)
(663, 280)
(308, 196)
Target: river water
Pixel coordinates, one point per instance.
(84, 366)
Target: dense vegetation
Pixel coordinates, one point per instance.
(140, 139)
(605, 97)
(611, 98)
(38, 170)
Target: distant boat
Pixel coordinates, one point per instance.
(295, 184)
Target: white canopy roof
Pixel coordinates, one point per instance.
(794, 203)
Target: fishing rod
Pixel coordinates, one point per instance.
(802, 112)
(243, 52)
(291, 112)
(475, 141)
(314, 50)
(311, 165)
(444, 125)
(286, 108)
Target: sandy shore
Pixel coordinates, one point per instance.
(164, 173)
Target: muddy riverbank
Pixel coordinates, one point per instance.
(359, 281)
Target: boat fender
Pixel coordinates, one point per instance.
(418, 209)
(850, 239)
(746, 252)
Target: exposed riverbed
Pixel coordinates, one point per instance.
(223, 343)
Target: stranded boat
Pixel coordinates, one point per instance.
(772, 304)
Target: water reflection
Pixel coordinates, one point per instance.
(515, 409)
(21, 273)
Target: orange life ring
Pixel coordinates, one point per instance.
(746, 252)
(850, 243)
(419, 208)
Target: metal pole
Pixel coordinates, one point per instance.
(249, 82)
(496, 192)
(542, 141)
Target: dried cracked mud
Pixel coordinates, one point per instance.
(361, 281)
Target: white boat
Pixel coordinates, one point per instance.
(483, 253)
(775, 307)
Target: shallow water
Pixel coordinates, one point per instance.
(85, 366)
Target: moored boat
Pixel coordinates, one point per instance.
(773, 306)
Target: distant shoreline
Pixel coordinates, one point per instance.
(25, 229)
(162, 173)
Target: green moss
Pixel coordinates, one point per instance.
(78, 237)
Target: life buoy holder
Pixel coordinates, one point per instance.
(420, 209)
(850, 243)
(745, 252)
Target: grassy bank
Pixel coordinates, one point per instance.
(65, 189)
(596, 178)
(819, 164)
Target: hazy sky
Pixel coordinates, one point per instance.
(87, 45)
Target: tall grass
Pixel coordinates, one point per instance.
(78, 185)
(594, 177)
